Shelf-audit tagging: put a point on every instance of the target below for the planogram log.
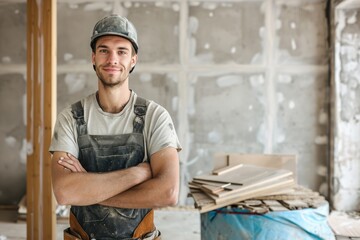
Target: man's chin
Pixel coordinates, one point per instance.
(111, 82)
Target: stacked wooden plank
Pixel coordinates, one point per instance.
(232, 184)
(256, 182)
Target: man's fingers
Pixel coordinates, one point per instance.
(67, 165)
(76, 162)
(70, 156)
(71, 163)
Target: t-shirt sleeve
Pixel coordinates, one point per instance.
(65, 136)
(162, 133)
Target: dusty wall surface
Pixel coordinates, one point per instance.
(237, 76)
(12, 102)
(346, 182)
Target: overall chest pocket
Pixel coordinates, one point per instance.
(118, 157)
(110, 153)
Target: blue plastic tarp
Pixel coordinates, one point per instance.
(235, 224)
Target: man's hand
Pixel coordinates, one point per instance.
(71, 163)
(145, 171)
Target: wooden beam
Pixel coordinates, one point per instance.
(41, 109)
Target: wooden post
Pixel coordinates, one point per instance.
(41, 110)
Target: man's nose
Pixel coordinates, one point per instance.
(113, 59)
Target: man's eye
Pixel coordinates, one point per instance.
(103, 50)
(122, 52)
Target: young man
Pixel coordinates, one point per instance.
(115, 155)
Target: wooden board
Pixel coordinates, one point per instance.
(215, 184)
(246, 174)
(281, 161)
(227, 169)
(227, 186)
(201, 199)
(257, 190)
(258, 184)
(205, 207)
(223, 190)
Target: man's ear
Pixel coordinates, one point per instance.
(134, 60)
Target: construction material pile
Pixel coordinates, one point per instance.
(258, 183)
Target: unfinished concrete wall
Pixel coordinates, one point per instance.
(237, 76)
(346, 165)
(12, 102)
(270, 95)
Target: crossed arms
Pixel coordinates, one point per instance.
(146, 185)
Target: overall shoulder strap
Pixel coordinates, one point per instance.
(140, 111)
(78, 114)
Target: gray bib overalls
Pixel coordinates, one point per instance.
(104, 153)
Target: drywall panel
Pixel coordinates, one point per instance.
(157, 23)
(302, 30)
(12, 102)
(226, 32)
(12, 138)
(225, 113)
(13, 33)
(301, 127)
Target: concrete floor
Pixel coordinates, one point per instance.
(174, 224)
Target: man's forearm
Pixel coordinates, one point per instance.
(154, 193)
(91, 188)
(74, 187)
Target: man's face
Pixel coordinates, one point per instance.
(113, 60)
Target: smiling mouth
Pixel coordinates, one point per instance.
(112, 69)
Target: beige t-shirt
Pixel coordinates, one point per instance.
(159, 131)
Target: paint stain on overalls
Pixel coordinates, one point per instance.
(104, 153)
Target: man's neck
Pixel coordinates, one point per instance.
(113, 101)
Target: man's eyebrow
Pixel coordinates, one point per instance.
(123, 48)
(102, 46)
(119, 48)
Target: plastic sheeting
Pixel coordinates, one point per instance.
(235, 224)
